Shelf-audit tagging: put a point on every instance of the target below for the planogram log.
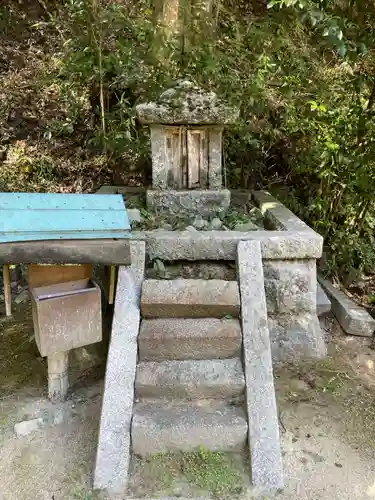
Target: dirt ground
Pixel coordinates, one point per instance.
(327, 421)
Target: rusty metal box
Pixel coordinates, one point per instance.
(66, 315)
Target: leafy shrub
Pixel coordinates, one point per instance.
(301, 72)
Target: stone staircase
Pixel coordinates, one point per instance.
(190, 381)
(183, 371)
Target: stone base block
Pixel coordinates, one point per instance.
(203, 202)
(290, 286)
(296, 336)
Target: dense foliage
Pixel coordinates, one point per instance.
(301, 71)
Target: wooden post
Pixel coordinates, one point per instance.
(112, 285)
(58, 382)
(7, 290)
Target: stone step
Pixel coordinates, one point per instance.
(179, 339)
(190, 299)
(205, 379)
(159, 427)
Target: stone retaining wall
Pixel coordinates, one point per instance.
(289, 252)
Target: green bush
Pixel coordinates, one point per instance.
(301, 72)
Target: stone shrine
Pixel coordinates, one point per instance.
(186, 127)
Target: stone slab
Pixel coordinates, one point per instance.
(323, 304)
(278, 215)
(189, 202)
(296, 336)
(158, 428)
(264, 438)
(190, 379)
(355, 320)
(222, 245)
(28, 426)
(190, 299)
(179, 339)
(113, 453)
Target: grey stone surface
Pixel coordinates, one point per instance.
(215, 151)
(290, 285)
(355, 320)
(113, 453)
(187, 103)
(216, 224)
(278, 215)
(134, 215)
(182, 203)
(189, 299)
(160, 427)
(296, 336)
(264, 439)
(323, 304)
(28, 426)
(247, 226)
(200, 223)
(190, 379)
(222, 245)
(160, 166)
(205, 338)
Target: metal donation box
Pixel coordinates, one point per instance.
(66, 315)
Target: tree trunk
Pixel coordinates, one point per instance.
(167, 26)
(168, 16)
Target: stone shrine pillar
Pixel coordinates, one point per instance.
(186, 126)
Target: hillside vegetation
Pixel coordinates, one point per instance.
(302, 73)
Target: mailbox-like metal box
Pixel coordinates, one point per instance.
(66, 315)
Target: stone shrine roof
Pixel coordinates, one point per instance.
(186, 103)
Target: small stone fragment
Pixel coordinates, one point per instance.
(216, 224)
(199, 223)
(257, 216)
(159, 268)
(28, 426)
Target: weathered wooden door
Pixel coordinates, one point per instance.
(197, 151)
(187, 153)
